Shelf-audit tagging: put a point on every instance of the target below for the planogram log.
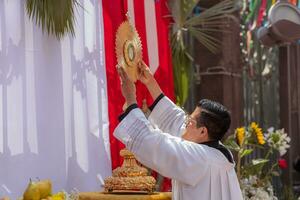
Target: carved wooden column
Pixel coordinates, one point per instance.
(221, 73)
(289, 77)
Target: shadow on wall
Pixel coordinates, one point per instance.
(53, 117)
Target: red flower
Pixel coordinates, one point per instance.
(282, 163)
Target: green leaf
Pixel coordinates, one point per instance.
(255, 168)
(259, 161)
(181, 69)
(246, 152)
(231, 144)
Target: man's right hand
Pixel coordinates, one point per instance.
(145, 75)
(147, 78)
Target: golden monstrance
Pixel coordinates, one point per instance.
(128, 49)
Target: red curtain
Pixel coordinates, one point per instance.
(113, 15)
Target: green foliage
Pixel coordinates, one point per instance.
(244, 142)
(256, 174)
(230, 143)
(246, 152)
(254, 168)
(201, 28)
(54, 16)
(181, 63)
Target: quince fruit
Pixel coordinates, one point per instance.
(32, 192)
(45, 188)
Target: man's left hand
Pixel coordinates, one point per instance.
(127, 87)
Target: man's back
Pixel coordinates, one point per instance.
(198, 171)
(219, 181)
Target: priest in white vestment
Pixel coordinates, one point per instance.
(186, 149)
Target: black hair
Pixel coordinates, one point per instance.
(296, 164)
(215, 117)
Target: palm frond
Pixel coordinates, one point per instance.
(206, 20)
(200, 27)
(208, 41)
(181, 69)
(54, 16)
(176, 7)
(183, 8)
(210, 20)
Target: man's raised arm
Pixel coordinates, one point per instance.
(170, 156)
(164, 113)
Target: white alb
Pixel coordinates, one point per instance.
(197, 171)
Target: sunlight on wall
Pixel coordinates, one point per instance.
(30, 89)
(80, 127)
(1, 121)
(5, 188)
(79, 97)
(92, 103)
(89, 26)
(1, 48)
(67, 95)
(14, 89)
(90, 63)
(15, 116)
(13, 20)
(53, 102)
(103, 99)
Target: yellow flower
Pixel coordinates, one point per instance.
(254, 126)
(240, 135)
(58, 196)
(258, 132)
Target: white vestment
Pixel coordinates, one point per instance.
(197, 171)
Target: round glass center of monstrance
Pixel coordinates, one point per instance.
(131, 53)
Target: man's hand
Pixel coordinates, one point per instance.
(147, 78)
(145, 75)
(127, 87)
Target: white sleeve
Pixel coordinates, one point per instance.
(168, 117)
(168, 155)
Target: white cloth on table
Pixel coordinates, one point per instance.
(197, 171)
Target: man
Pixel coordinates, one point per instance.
(186, 149)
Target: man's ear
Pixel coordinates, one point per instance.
(204, 130)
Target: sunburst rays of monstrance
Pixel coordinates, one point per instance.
(128, 48)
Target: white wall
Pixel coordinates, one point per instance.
(53, 103)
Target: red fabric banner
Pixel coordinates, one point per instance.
(113, 15)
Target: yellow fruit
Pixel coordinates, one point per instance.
(32, 192)
(45, 188)
(57, 196)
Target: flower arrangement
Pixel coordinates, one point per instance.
(255, 174)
